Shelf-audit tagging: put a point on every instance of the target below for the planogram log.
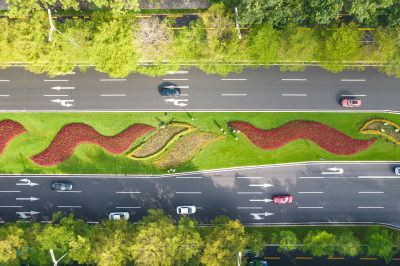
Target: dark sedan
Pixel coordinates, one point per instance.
(170, 92)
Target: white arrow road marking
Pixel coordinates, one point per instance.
(180, 104)
(333, 171)
(261, 185)
(176, 87)
(24, 215)
(257, 216)
(65, 103)
(177, 101)
(27, 182)
(264, 200)
(31, 199)
(62, 88)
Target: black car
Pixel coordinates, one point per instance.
(170, 92)
(61, 186)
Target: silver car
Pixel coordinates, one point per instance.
(115, 216)
(397, 170)
(186, 209)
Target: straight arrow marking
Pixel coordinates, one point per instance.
(31, 198)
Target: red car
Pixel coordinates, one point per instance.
(351, 102)
(283, 199)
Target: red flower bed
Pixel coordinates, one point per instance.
(8, 130)
(72, 135)
(325, 136)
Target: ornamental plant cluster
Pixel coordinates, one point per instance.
(72, 135)
(8, 130)
(325, 136)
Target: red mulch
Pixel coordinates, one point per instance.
(8, 130)
(325, 136)
(72, 135)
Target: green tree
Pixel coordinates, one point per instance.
(12, 245)
(224, 243)
(190, 241)
(323, 12)
(393, 14)
(366, 11)
(379, 242)
(287, 240)
(387, 50)
(319, 243)
(348, 244)
(264, 44)
(255, 241)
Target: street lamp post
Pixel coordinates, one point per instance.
(54, 259)
(237, 24)
(54, 28)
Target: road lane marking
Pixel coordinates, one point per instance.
(60, 80)
(128, 207)
(352, 80)
(371, 192)
(368, 258)
(310, 192)
(294, 79)
(370, 207)
(69, 206)
(10, 206)
(272, 258)
(178, 72)
(175, 79)
(71, 191)
(311, 176)
(386, 176)
(354, 95)
(258, 208)
(5, 95)
(2, 222)
(310, 207)
(112, 79)
(233, 79)
(250, 192)
(10, 191)
(128, 192)
(176, 87)
(4, 80)
(233, 94)
(46, 222)
(53, 95)
(92, 222)
(294, 94)
(189, 177)
(188, 192)
(112, 95)
(249, 177)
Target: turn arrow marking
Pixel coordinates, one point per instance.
(257, 216)
(31, 198)
(333, 171)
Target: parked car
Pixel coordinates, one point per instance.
(283, 199)
(397, 170)
(170, 92)
(351, 102)
(115, 216)
(61, 186)
(186, 209)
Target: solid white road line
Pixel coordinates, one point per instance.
(178, 72)
(112, 95)
(4, 80)
(233, 79)
(249, 208)
(370, 207)
(310, 207)
(232, 94)
(294, 79)
(175, 79)
(386, 176)
(354, 95)
(249, 177)
(189, 177)
(311, 176)
(294, 94)
(60, 80)
(188, 192)
(10, 191)
(112, 79)
(10, 206)
(71, 191)
(352, 80)
(69, 206)
(128, 192)
(52, 95)
(310, 192)
(128, 207)
(371, 192)
(250, 192)
(4, 95)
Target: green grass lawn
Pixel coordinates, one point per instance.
(228, 152)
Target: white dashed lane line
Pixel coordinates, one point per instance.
(371, 192)
(370, 207)
(353, 95)
(243, 208)
(249, 177)
(52, 95)
(4, 80)
(232, 94)
(128, 207)
(128, 192)
(71, 191)
(10, 206)
(4, 95)
(188, 192)
(175, 79)
(183, 177)
(294, 79)
(295, 94)
(234, 79)
(69, 206)
(310, 192)
(249, 192)
(56, 80)
(112, 95)
(112, 79)
(178, 72)
(310, 207)
(10, 191)
(352, 80)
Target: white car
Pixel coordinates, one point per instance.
(397, 170)
(119, 216)
(186, 209)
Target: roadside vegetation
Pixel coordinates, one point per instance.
(125, 44)
(231, 149)
(158, 240)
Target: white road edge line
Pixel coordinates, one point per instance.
(61, 80)
(189, 177)
(188, 192)
(112, 79)
(371, 192)
(53, 95)
(112, 95)
(352, 80)
(232, 94)
(294, 79)
(175, 79)
(128, 207)
(310, 207)
(303, 192)
(249, 208)
(250, 192)
(294, 94)
(354, 95)
(233, 79)
(127, 192)
(69, 206)
(370, 207)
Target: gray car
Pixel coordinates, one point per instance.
(397, 170)
(115, 216)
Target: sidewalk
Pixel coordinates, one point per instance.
(145, 4)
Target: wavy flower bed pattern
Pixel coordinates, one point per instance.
(325, 136)
(72, 135)
(8, 130)
(382, 127)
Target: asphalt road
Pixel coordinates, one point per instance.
(366, 192)
(253, 90)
